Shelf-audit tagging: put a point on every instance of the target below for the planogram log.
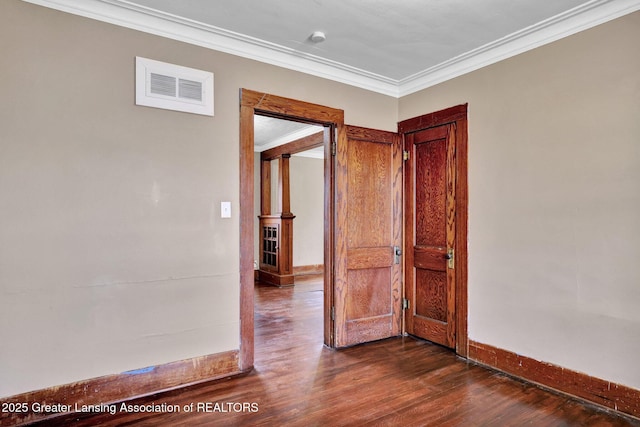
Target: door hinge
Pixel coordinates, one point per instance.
(405, 304)
(333, 312)
(334, 141)
(405, 155)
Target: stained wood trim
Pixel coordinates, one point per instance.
(340, 243)
(604, 393)
(246, 233)
(284, 186)
(442, 117)
(281, 107)
(329, 235)
(126, 386)
(294, 147)
(398, 219)
(462, 230)
(265, 188)
(273, 278)
(458, 116)
(367, 134)
(252, 102)
(451, 233)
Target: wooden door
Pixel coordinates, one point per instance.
(368, 289)
(430, 211)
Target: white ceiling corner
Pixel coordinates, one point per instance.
(157, 17)
(271, 132)
(570, 22)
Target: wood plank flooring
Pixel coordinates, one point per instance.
(394, 382)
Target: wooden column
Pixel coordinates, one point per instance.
(276, 230)
(284, 189)
(265, 187)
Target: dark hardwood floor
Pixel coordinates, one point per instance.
(394, 382)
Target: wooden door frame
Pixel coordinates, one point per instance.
(253, 102)
(458, 116)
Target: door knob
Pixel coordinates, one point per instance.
(397, 252)
(449, 257)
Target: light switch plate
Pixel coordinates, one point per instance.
(225, 209)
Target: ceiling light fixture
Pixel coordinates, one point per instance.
(317, 37)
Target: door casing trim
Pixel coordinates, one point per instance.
(252, 102)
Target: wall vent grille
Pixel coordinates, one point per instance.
(189, 89)
(173, 87)
(162, 85)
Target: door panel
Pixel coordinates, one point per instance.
(368, 295)
(430, 234)
(430, 192)
(364, 300)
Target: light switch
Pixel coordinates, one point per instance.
(225, 209)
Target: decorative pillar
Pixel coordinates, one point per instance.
(276, 231)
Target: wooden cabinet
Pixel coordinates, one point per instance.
(276, 249)
(276, 230)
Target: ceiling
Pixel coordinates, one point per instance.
(391, 39)
(388, 46)
(270, 132)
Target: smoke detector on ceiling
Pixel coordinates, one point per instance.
(318, 37)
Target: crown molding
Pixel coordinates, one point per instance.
(583, 17)
(129, 15)
(136, 17)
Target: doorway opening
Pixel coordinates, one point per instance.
(289, 206)
(331, 121)
(289, 237)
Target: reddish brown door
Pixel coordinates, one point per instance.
(368, 290)
(430, 234)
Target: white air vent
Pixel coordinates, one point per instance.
(173, 87)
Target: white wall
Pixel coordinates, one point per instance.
(307, 204)
(113, 255)
(554, 200)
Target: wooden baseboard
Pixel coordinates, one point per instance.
(276, 279)
(604, 393)
(308, 270)
(117, 388)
